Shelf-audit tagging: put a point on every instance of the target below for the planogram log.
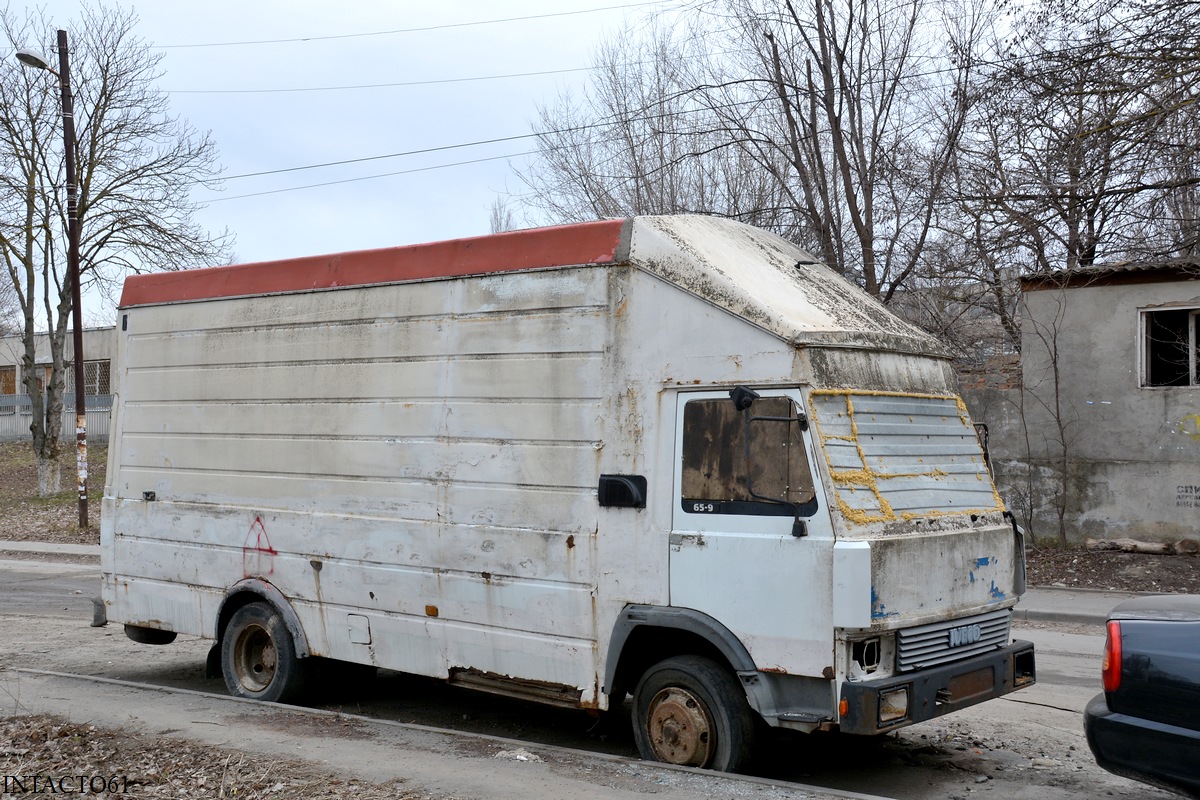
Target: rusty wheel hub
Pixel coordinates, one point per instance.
(255, 658)
(681, 730)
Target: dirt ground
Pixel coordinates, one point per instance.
(80, 759)
(1077, 568)
(1030, 746)
(24, 517)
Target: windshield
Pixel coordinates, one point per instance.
(899, 456)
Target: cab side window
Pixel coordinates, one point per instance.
(745, 462)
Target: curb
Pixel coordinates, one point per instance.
(1061, 617)
(718, 783)
(50, 549)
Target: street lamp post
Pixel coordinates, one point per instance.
(32, 59)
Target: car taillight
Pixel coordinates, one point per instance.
(1111, 671)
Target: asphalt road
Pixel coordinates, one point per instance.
(1028, 745)
(47, 588)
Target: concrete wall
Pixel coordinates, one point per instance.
(1084, 450)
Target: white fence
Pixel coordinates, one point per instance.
(15, 418)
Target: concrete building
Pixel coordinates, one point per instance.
(1101, 438)
(98, 345)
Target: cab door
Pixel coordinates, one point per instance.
(751, 543)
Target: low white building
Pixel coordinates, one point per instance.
(15, 402)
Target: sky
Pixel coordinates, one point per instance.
(268, 79)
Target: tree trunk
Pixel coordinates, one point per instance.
(1181, 547)
(49, 469)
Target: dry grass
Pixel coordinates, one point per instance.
(26, 517)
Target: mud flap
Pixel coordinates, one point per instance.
(212, 664)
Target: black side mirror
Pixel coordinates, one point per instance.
(742, 397)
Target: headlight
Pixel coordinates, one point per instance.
(893, 705)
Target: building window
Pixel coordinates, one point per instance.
(1170, 343)
(95, 378)
(8, 387)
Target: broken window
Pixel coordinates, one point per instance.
(751, 462)
(1170, 346)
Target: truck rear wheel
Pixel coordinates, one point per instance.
(258, 656)
(691, 711)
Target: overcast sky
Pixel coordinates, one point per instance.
(265, 77)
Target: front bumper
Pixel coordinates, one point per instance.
(1162, 755)
(870, 707)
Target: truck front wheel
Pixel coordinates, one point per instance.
(258, 657)
(691, 711)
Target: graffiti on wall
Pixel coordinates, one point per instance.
(258, 557)
(1187, 496)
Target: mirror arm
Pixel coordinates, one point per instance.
(743, 398)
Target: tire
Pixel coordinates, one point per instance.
(691, 711)
(258, 656)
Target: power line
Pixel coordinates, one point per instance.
(576, 129)
(1000, 62)
(396, 155)
(614, 119)
(384, 85)
(367, 177)
(602, 123)
(422, 29)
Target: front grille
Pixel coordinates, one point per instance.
(952, 640)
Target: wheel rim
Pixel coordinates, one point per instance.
(681, 729)
(254, 658)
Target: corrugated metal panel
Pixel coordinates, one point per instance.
(897, 456)
(384, 451)
(953, 640)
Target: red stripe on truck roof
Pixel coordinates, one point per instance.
(567, 245)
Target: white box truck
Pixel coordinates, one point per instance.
(666, 456)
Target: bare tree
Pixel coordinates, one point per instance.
(870, 101)
(501, 217)
(10, 309)
(1045, 397)
(1084, 148)
(136, 167)
(833, 123)
(643, 139)
(1082, 152)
